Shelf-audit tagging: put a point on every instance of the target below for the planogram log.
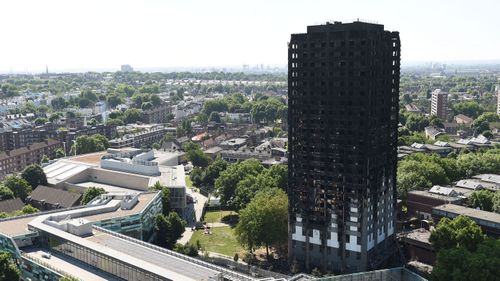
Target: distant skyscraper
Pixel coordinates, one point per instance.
(126, 68)
(343, 82)
(439, 103)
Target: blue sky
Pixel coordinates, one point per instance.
(91, 34)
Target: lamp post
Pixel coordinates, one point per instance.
(74, 145)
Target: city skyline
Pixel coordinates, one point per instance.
(160, 34)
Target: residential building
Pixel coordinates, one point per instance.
(343, 82)
(463, 119)
(432, 132)
(412, 108)
(157, 114)
(416, 245)
(16, 160)
(488, 221)
(420, 202)
(141, 139)
(439, 103)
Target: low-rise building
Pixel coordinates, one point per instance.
(11, 205)
(47, 198)
(17, 159)
(463, 119)
(157, 114)
(488, 221)
(420, 202)
(141, 139)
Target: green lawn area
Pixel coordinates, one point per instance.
(216, 216)
(189, 182)
(222, 241)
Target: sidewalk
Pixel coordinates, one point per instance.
(192, 214)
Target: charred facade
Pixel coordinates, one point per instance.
(343, 82)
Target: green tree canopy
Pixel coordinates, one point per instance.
(469, 108)
(196, 155)
(165, 196)
(5, 193)
(264, 221)
(8, 270)
(19, 186)
(34, 175)
(169, 229)
(226, 183)
(91, 193)
(482, 199)
(89, 144)
(459, 232)
(496, 202)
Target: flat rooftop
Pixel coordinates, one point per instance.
(70, 266)
(143, 201)
(108, 187)
(184, 270)
(19, 225)
(470, 212)
(91, 158)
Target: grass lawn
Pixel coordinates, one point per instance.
(222, 241)
(215, 216)
(189, 183)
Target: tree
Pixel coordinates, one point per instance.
(249, 186)
(114, 122)
(60, 153)
(91, 193)
(5, 193)
(226, 183)
(168, 229)
(469, 108)
(462, 231)
(28, 209)
(54, 117)
(206, 177)
(125, 89)
(196, 155)
(19, 186)
(8, 270)
(132, 115)
(496, 202)
(9, 90)
(482, 199)
(40, 121)
(113, 100)
(214, 117)
(279, 173)
(34, 175)
(45, 159)
(59, 103)
(89, 144)
(471, 164)
(264, 221)
(165, 196)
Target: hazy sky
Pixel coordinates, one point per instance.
(91, 34)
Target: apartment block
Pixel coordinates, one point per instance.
(16, 160)
(343, 82)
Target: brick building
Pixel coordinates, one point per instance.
(16, 160)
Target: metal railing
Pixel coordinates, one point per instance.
(228, 274)
(48, 266)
